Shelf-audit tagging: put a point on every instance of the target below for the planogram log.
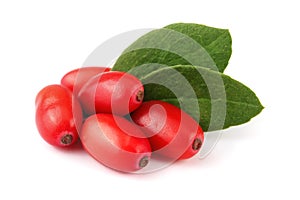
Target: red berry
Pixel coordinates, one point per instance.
(111, 92)
(172, 132)
(75, 79)
(115, 142)
(58, 115)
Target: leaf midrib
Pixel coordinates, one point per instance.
(209, 100)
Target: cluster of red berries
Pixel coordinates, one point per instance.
(104, 110)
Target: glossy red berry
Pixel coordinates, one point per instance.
(115, 142)
(171, 131)
(111, 92)
(58, 115)
(75, 79)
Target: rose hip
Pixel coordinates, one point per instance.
(111, 92)
(58, 115)
(171, 131)
(75, 79)
(115, 142)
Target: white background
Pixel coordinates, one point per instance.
(41, 41)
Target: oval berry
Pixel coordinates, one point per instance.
(111, 92)
(171, 131)
(115, 142)
(58, 115)
(75, 79)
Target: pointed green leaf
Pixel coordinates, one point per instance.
(215, 100)
(180, 43)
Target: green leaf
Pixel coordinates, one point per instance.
(215, 100)
(217, 42)
(180, 43)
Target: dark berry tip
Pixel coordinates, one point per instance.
(140, 96)
(144, 162)
(66, 139)
(197, 144)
